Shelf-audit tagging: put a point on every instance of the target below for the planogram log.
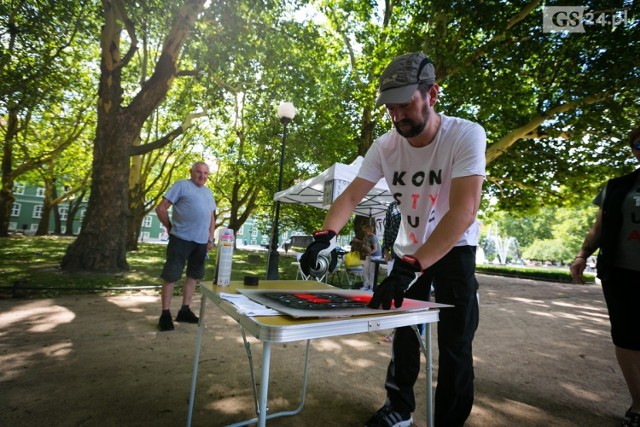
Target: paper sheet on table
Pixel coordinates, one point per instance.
(248, 307)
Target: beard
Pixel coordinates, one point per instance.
(415, 128)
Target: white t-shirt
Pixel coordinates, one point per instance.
(420, 178)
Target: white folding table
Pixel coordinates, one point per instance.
(282, 329)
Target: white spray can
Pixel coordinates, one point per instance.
(225, 257)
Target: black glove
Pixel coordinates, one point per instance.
(393, 286)
(324, 243)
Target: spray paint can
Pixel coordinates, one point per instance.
(225, 257)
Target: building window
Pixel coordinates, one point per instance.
(83, 212)
(18, 188)
(146, 222)
(254, 233)
(13, 226)
(40, 192)
(37, 211)
(64, 212)
(241, 230)
(33, 228)
(15, 209)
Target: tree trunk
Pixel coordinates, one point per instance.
(6, 202)
(74, 207)
(136, 205)
(47, 206)
(6, 192)
(57, 223)
(101, 244)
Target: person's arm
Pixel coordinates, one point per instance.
(464, 201)
(343, 207)
(162, 210)
(212, 230)
(589, 246)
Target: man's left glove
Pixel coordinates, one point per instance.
(395, 284)
(324, 243)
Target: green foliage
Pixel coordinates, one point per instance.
(549, 234)
(251, 57)
(551, 274)
(548, 250)
(556, 107)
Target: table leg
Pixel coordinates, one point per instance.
(196, 361)
(425, 345)
(264, 386)
(375, 275)
(429, 376)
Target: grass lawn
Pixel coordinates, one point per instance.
(29, 266)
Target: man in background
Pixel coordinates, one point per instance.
(191, 231)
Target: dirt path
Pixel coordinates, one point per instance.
(543, 357)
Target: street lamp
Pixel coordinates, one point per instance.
(286, 112)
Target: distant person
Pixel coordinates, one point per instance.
(191, 232)
(616, 233)
(371, 240)
(392, 219)
(434, 166)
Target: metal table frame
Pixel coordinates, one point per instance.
(281, 329)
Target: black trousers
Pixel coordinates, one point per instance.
(622, 293)
(455, 283)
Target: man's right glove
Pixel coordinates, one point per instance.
(395, 284)
(324, 243)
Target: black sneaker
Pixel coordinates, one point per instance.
(165, 323)
(387, 417)
(186, 316)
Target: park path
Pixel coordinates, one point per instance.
(542, 356)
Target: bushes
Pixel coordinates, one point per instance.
(548, 274)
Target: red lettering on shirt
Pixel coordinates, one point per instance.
(412, 237)
(414, 200)
(635, 235)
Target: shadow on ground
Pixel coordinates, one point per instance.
(542, 354)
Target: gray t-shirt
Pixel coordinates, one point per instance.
(628, 250)
(192, 210)
(374, 243)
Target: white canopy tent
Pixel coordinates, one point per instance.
(321, 190)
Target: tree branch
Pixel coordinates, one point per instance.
(121, 10)
(138, 150)
(528, 130)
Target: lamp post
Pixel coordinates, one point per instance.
(286, 112)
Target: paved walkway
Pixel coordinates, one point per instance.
(543, 357)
